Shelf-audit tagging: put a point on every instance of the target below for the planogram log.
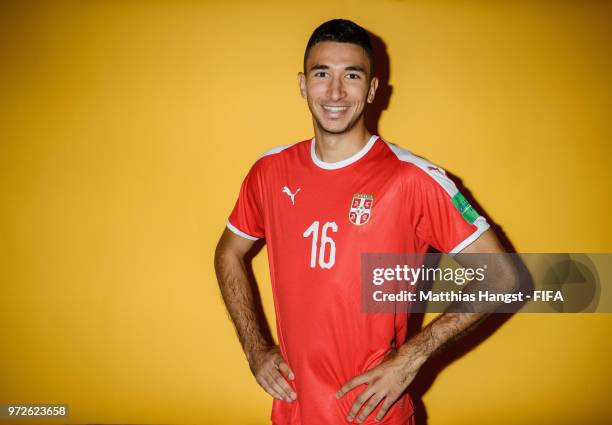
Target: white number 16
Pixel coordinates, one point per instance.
(326, 242)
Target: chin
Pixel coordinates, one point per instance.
(334, 127)
(335, 130)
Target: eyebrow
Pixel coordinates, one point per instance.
(357, 68)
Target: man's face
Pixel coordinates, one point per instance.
(337, 85)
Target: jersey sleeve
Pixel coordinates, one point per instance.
(247, 217)
(445, 219)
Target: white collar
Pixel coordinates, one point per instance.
(344, 162)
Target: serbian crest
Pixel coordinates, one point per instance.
(361, 209)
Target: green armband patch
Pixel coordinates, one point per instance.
(465, 208)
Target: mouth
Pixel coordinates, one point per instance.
(334, 111)
(335, 108)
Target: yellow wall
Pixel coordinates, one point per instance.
(127, 127)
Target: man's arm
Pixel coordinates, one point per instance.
(389, 380)
(450, 326)
(263, 355)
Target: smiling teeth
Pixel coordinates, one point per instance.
(335, 108)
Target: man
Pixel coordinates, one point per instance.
(319, 204)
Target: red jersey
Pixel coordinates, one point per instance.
(317, 219)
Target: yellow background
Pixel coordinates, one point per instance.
(126, 129)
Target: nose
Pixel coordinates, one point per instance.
(336, 89)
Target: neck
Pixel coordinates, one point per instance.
(331, 147)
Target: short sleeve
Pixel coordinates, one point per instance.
(446, 220)
(246, 219)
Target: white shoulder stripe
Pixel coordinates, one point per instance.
(435, 172)
(274, 150)
(439, 175)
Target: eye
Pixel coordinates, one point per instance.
(353, 76)
(320, 74)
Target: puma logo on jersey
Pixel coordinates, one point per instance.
(291, 195)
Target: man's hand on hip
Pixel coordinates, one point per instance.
(387, 382)
(267, 365)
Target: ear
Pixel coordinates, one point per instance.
(372, 90)
(302, 83)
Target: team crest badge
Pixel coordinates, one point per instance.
(361, 209)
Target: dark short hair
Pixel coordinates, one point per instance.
(341, 31)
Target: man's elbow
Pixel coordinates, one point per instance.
(509, 278)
